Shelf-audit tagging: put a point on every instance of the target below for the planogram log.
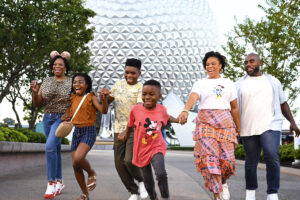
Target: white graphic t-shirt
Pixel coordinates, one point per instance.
(215, 93)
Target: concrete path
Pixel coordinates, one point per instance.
(184, 182)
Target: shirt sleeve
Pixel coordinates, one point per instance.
(131, 118)
(43, 85)
(196, 87)
(233, 92)
(113, 89)
(93, 94)
(139, 95)
(281, 94)
(72, 98)
(166, 116)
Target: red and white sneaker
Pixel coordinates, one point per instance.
(59, 186)
(50, 192)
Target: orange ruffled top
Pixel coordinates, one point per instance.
(86, 115)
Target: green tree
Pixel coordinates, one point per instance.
(276, 38)
(30, 30)
(9, 121)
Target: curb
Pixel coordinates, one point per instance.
(285, 170)
(24, 147)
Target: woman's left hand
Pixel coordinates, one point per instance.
(182, 118)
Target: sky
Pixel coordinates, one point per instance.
(224, 10)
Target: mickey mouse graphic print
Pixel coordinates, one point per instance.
(215, 93)
(148, 138)
(219, 90)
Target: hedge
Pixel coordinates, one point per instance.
(181, 148)
(12, 135)
(24, 135)
(297, 153)
(287, 152)
(33, 137)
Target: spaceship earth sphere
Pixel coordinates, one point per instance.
(170, 37)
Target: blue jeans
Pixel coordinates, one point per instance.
(53, 146)
(269, 141)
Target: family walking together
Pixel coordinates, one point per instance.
(251, 109)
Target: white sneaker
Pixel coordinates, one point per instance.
(134, 197)
(50, 192)
(272, 196)
(59, 186)
(225, 195)
(142, 190)
(250, 194)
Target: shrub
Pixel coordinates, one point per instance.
(239, 151)
(181, 148)
(12, 135)
(262, 155)
(287, 152)
(297, 153)
(33, 137)
(64, 141)
(24, 135)
(2, 138)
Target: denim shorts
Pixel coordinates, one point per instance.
(83, 135)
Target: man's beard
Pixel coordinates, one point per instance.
(255, 72)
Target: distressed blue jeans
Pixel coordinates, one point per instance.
(269, 141)
(53, 146)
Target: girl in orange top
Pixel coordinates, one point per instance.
(84, 135)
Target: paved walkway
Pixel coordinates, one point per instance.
(184, 182)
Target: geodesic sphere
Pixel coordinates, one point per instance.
(170, 38)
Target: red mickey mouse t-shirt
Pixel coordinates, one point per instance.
(148, 139)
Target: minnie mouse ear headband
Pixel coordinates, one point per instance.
(64, 54)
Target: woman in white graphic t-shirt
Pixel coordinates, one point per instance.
(217, 125)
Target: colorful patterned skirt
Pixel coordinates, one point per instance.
(215, 138)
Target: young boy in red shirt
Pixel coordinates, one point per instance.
(149, 146)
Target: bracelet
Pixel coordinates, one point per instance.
(185, 110)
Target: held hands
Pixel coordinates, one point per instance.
(182, 117)
(122, 136)
(34, 87)
(238, 131)
(104, 93)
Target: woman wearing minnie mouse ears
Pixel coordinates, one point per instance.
(54, 95)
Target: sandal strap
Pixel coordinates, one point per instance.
(92, 178)
(91, 184)
(83, 197)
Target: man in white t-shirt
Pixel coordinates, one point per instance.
(261, 104)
